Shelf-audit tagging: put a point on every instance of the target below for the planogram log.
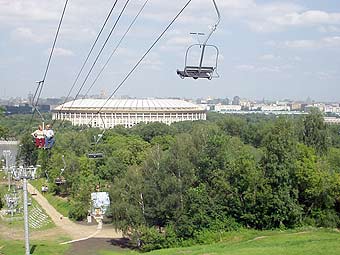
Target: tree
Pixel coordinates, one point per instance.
(318, 188)
(127, 202)
(28, 153)
(4, 132)
(151, 130)
(282, 208)
(1, 202)
(84, 183)
(315, 132)
(232, 125)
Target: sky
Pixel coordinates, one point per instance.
(268, 49)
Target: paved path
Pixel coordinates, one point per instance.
(71, 229)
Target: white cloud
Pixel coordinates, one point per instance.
(180, 41)
(279, 16)
(269, 57)
(323, 75)
(14, 11)
(153, 62)
(329, 29)
(245, 67)
(312, 17)
(326, 42)
(262, 69)
(61, 52)
(25, 33)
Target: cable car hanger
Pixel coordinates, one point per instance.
(202, 71)
(95, 154)
(61, 179)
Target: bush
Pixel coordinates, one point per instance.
(155, 239)
(216, 230)
(326, 218)
(77, 211)
(1, 202)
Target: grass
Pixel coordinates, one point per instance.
(311, 242)
(20, 223)
(48, 225)
(37, 247)
(61, 205)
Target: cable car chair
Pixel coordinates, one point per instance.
(95, 154)
(201, 71)
(39, 142)
(61, 179)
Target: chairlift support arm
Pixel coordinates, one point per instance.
(213, 29)
(62, 170)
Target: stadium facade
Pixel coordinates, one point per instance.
(127, 112)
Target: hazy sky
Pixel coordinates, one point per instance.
(269, 49)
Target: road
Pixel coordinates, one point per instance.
(76, 231)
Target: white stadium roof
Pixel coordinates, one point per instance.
(128, 104)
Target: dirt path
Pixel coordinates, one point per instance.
(75, 231)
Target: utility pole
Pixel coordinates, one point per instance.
(7, 154)
(27, 173)
(27, 239)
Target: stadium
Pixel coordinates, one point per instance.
(127, 112)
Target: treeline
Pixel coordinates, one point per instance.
(195, 180)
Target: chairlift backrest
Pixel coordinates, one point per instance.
(200, 70)
(95, 155)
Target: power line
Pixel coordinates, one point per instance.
(99, 54)
(40, 86)
(145, 54)
(101, 50)
(116, 48)
(141, 59)
(51, 53)
(90, 52)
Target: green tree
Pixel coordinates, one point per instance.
(151, 130)
(84, 184)
(317, 186)
(315, 132)
(28, 153)
(127, 202)
(4, 132)
(282, 208)
(232, 125)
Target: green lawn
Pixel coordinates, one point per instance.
(311, 242)
(20, 222)
(61, 205)
(37, 248)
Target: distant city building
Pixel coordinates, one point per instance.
(227, 108)
(127, 112)
(332, 120)
(319, 106)
(236, 100)
(332, 109)
(275, 108)
(24, 109)
(295, 106)
(246, 104)
(18, 109)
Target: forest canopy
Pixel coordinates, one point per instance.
(170, 184)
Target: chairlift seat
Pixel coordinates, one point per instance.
(95, 155)
(196, 72)
(59, 181)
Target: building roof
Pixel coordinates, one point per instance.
(128, 104)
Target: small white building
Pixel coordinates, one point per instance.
(227, 108)
(272, 108)
(127, 112)
(332, 120)
(332, 109)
